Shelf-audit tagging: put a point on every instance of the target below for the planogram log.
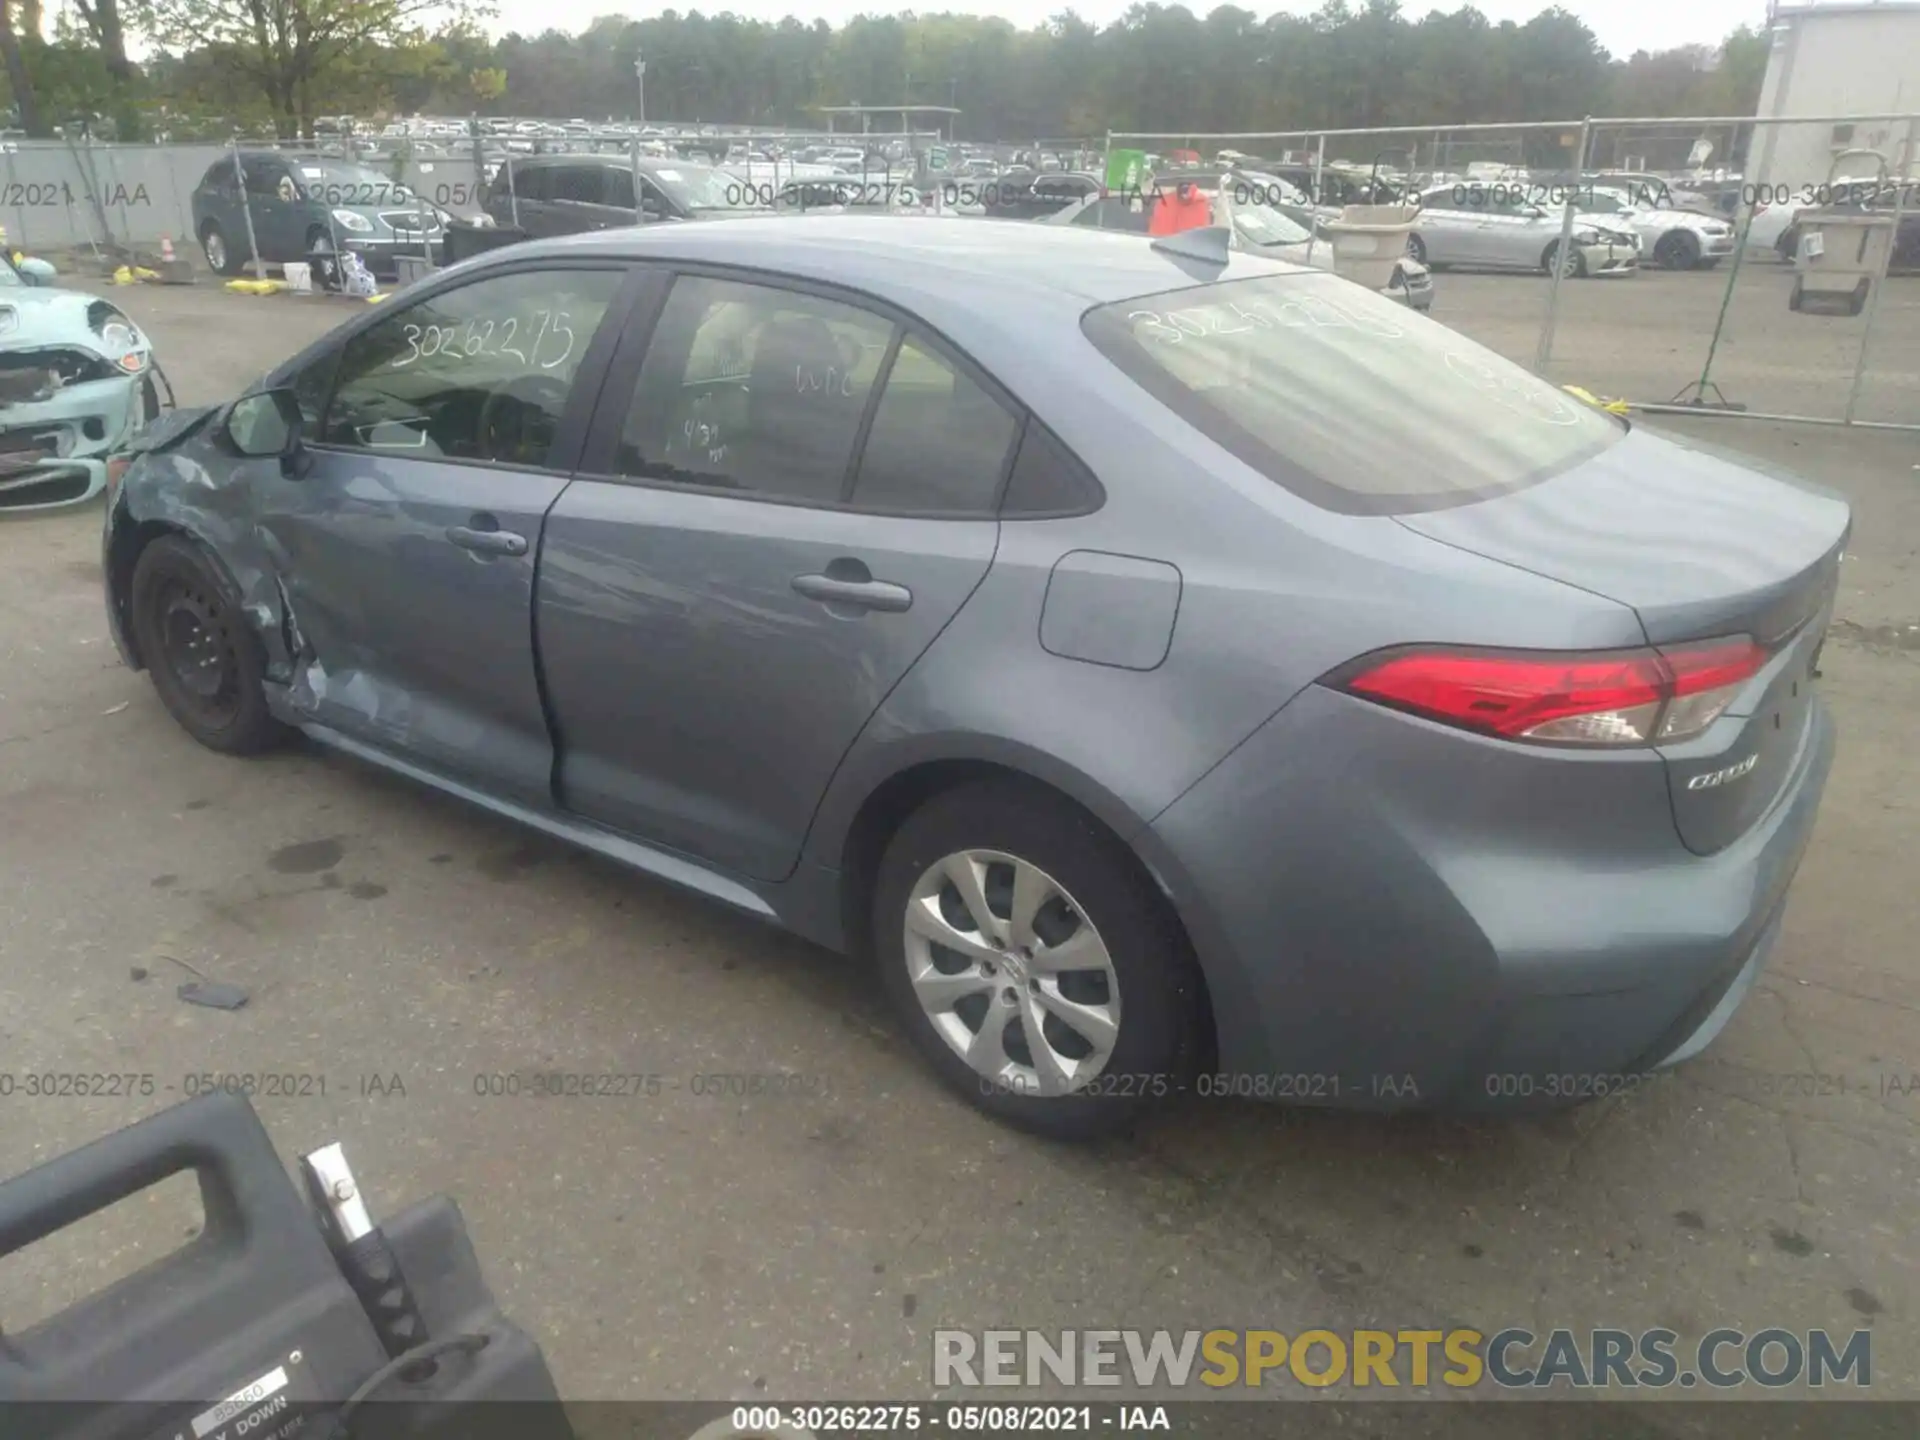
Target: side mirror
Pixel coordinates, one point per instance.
(36, 271)
(266, 423)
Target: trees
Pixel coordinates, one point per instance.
(1159, 66)
(289, 48)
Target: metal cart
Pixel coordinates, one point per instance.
(1843, 248)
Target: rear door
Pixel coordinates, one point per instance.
(273, 203)
(406, 552)
(787, 495)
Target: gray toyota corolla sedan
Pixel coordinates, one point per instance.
(1172, 669)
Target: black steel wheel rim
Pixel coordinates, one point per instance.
(199, 652)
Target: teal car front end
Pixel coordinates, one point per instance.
(77, 384)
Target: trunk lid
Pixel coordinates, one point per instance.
(1701, 543)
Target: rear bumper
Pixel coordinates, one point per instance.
(1396, 915)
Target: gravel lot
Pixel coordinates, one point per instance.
(684, 1247)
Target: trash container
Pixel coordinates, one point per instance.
(1843, 248)
(1368, 241)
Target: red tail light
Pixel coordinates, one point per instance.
(117, 466)
(1616, 697)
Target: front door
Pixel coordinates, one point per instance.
(407, 551)
(729, 593)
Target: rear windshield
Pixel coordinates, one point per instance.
(1343, 396)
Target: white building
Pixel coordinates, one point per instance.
(1838, 57)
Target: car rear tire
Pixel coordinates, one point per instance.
(1416, 249)
(220, 257)
(205, 662)
(1677, 250)
(1074, 944)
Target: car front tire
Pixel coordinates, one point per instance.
(205, 662)
(1576, 266)
(1004, 916)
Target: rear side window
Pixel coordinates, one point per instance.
(219, 176)
(753, 388)
(1345, 398)
(939, 442)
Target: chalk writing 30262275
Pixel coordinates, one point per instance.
(545, 341)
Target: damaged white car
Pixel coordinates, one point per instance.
(77, 381)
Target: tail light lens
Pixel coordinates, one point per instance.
(1615, 697)
(116, 472)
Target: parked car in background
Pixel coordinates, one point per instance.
(294, 208)
(1030, 194)
(1673, 238)
(572, 194)
(1158, 670)
(1495, 226)
(76, 383)
(1260, 229)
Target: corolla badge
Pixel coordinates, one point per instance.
(1715, 778)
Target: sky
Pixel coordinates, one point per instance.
(1623, 26)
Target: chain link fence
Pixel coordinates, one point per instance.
(1526, 226)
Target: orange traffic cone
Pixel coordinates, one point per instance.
(173, 270)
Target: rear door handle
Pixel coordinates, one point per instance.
(487, 541)
(861, 594)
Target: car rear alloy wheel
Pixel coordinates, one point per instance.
(1011, 973)
(1033, 963)
(214, 243)
(1416, 249)
(1677, 250)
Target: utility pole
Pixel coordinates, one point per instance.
(640, 82)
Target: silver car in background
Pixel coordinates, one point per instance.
(1670, 237)
(1496, 226)
(1276, 229)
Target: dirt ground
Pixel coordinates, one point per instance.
(685, 1247)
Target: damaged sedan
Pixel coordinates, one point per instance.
(77, 382)
(1170, 667)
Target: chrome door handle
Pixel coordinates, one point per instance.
(862, 594)
(487, 542)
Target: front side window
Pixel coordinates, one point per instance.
(754, 388)
(481, 372)
(1345, 398)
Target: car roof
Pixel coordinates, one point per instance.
(943, 268)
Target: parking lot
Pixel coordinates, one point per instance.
(399, 949)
